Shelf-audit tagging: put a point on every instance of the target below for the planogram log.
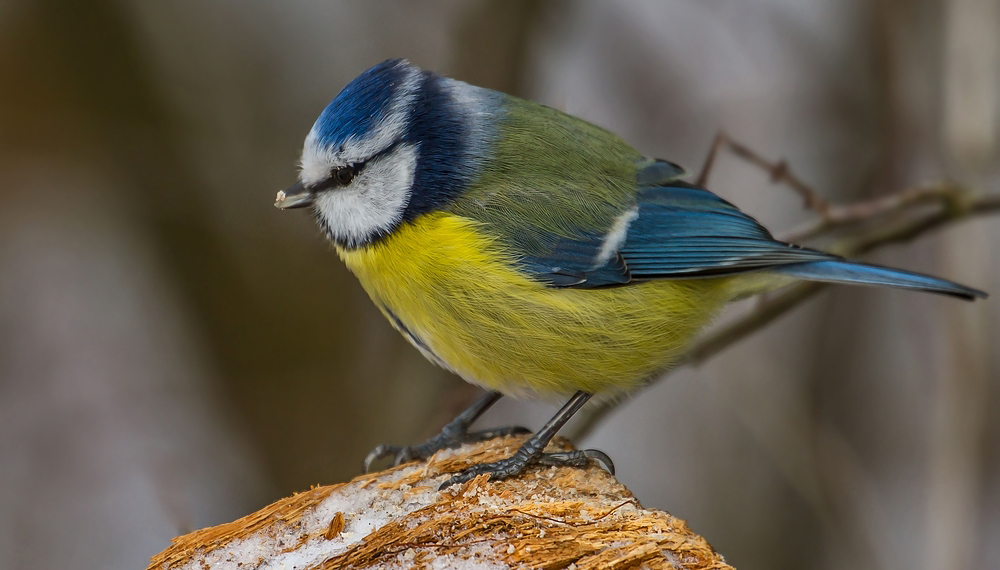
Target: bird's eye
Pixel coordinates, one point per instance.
(344, 175)
(340, 176)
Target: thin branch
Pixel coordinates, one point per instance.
(836, 217)
(713, 153)
(779, 171)
(831, 217)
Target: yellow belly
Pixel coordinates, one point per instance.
(453, 291)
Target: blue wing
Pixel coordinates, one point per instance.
(679, 230)
(672, 230)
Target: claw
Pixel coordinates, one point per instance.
(446, 439)
(564, 459)
(531, 451)
(602, 457)
(503, 469)
(380, 452)
(403, 455)
(509, 467)
(518, 463)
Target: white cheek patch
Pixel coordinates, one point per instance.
(318, 160)
(616, 237)
(374, 202)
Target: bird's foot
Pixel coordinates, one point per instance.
(451, 436)
(519, 462)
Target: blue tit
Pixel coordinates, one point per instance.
(529, 251)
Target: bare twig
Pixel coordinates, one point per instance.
(779, 171)
(913, 212)
(713, 153)
(830, 216)
(836, 217)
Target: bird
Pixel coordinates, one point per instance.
(531, 252)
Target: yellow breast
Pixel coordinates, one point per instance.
(455, 293)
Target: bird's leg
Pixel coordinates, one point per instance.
(453, 434)
(532, 452)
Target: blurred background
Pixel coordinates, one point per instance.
(175, 353)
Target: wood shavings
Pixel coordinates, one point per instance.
(336, 526)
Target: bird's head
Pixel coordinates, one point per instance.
(396, 142)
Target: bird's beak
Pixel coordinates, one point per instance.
(297, 196)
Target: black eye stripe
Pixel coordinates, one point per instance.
(341, 176)
(344, 175)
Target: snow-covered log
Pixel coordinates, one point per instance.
(548, 518)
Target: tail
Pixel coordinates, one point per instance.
(858, 273)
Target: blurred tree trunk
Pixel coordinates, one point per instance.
(970, 83)
(112, 435)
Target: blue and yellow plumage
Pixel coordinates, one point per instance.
(528, 250)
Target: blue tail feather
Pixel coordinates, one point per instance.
(848, 272)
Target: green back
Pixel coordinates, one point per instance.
(551, 176)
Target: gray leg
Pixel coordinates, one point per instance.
(531, 453)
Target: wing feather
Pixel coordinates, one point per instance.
(678, 230)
